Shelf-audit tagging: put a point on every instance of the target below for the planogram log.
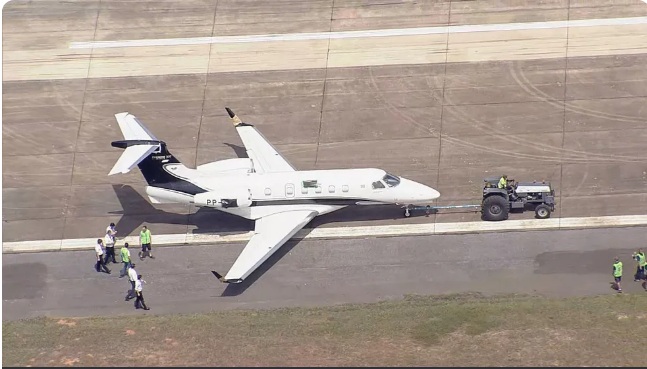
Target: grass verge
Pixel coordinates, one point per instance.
(456, 330)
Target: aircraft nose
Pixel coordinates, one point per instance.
(421, 194)
(428, 194)
(433, 194)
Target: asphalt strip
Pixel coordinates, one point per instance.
(347, 232)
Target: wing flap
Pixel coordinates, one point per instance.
(271, 232)
(265, 156)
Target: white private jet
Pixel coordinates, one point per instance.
(263, 187)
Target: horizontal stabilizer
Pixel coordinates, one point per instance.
(132, 156)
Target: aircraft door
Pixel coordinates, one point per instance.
(289, 190)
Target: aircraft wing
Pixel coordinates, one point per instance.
(271, 232)
(263, 154)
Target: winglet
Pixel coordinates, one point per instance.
(223, 280)
(233, 117)
(220, 278)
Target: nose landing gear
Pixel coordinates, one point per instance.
(409, 208)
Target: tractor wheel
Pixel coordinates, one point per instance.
(495, 208)
(542, 211)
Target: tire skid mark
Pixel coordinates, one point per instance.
(468, 144)
(579, 154)
(528, 86)
(571, 155)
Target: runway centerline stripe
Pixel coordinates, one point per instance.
(361, 34)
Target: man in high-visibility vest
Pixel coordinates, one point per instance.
(617, 273)
(640, 265)
(503, 182)
(503, 185)
(125, 258)
(145, 240)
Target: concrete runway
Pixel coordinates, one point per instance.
(565, 105)
(311, 273)
(504, 102)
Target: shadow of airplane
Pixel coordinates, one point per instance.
(240, 151)
(236, 289)
(137, 210)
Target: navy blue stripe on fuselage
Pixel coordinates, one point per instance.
(332, 202)
(180, 185)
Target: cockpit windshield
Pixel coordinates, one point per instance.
(391, 180)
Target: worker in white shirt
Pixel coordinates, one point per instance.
(132, 278)
(109, 241)
(139, 303)
(98, 249)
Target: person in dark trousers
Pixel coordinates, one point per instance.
(139, 302)
(640, 267)
(617, 274)
(145, 241)
(109, 241)
(132, 278)
(98, 249)
(125, 258)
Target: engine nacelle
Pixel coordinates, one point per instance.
(239, 165)
(228, 199)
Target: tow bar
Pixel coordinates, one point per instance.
(429, 209)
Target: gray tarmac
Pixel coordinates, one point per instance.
(313, 273)
(577, 122)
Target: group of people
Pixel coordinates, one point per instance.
(106, 247)
(641, 262)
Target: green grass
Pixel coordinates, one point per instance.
(462, 330)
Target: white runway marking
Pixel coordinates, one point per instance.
(349, 232)
(360, 34)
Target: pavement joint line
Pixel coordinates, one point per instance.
(361, 34)
(433, 228)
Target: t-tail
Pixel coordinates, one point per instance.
(168, 179)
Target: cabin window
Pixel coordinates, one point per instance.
(378, 184)
(289, 190)
(318, 189)
(309, 184)
(268, 192)
(331, 189)
(344, 188)
(304, 190)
